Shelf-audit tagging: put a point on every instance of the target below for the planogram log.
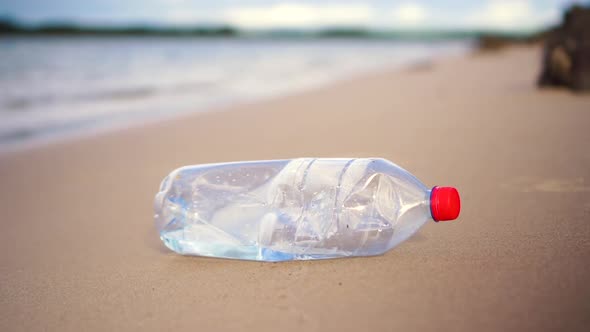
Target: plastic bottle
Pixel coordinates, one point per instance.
(296, 209)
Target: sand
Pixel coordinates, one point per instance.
(78, 249)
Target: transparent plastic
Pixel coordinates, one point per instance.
(295, 209)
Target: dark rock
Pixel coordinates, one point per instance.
(566, 57)
(494, 42)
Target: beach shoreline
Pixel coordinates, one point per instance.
(199, 76)
(79, 250)
(225, 107)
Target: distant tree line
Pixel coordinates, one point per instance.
(10, 27)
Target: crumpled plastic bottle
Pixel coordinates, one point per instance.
(297, 209)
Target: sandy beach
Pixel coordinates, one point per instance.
(79, 251)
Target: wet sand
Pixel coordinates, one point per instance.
(78, 249)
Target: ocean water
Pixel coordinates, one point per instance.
(53, 87)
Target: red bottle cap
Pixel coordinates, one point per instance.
(445, 203)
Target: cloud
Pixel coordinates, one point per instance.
(185, 16)
(293, 15)
(410, 14)
(510, 15)
(490, 14)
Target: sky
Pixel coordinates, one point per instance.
(264, 14)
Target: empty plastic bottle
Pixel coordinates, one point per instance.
(296, 209)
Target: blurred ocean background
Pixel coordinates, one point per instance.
(69, 67)
(55, 86)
